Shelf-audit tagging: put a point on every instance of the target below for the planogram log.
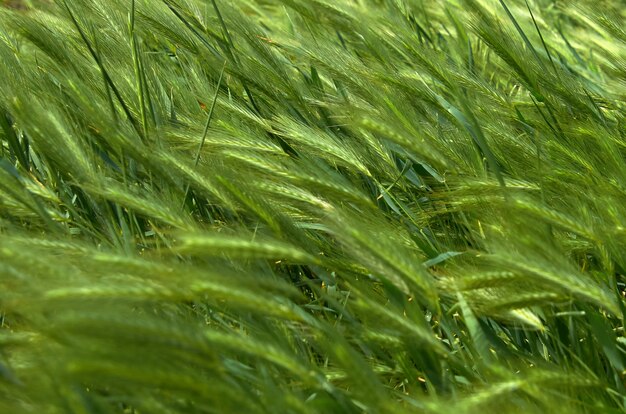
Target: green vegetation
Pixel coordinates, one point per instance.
(312, 206)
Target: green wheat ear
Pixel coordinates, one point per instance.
(312, 206)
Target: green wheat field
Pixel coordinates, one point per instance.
(312, 206)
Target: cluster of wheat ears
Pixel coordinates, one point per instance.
(312, 206)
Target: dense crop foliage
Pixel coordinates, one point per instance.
(312, 206)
